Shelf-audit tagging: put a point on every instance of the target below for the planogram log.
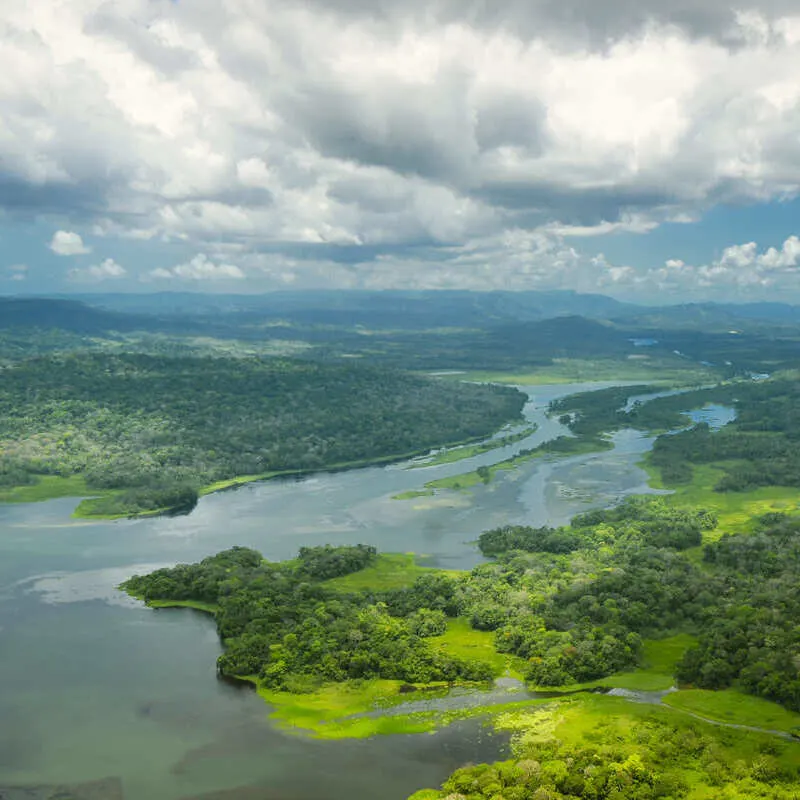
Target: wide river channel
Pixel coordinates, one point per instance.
(93, 685)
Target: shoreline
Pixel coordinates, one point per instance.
(52, 487)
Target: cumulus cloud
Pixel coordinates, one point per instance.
(371, 127)
(200, 268)
(98, 272)
(742, 271)
(67, 243)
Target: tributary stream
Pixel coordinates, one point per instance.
(94, 685)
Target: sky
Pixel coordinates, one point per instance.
(645, 149)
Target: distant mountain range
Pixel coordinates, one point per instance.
(186, 312)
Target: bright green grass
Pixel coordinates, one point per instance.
(48, 487)
(388, 571)
(653, 369)
(737, 511)
(587, 719)
(94, 508)
(335, 710)
(468, 480)
(661, 656)
(197, 605)
(414, 494)
(734, 707)
(232, 483)
(659, 659)
(468, 451)
(464, 642)
(324, 713)
(52, 487)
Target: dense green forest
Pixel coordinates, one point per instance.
(155, 429)
(282, 624)
(742, 602)
(573, 603)
(760, 448)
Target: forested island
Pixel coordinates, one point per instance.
(614, 599)
(149, 433)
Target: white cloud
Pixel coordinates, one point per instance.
(67, 243)
(739, 255)
(343, 123)
(742, 272)
(786, 258)
(200, 268)
(98, 272)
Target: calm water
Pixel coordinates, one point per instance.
(94, 685)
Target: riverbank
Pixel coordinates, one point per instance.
(454, 454)
(52, 487)
(368, 707)
(354, 709)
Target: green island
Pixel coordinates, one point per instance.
(561, 446)
(453, 454)
(657, 639)
(140, 434)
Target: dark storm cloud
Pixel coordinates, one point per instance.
(592, 22)
(412, 130)
(582, 207)
(19, 196)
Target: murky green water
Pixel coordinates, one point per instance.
(93, 685)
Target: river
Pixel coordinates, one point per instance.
(94, 685)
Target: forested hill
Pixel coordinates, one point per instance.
(72, 316)
(157, 427)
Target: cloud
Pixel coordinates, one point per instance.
(419, 131)
(108, 269)
(742, 271)
(200, 268)
(524, 260)
(67, 243)
(575, 22)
